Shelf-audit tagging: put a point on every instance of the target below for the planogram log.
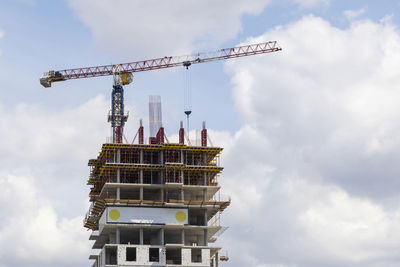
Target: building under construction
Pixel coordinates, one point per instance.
(156, 204)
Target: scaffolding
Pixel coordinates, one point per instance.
(157, 174)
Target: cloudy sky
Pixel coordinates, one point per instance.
(311, 134)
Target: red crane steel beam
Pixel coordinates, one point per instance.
(159, 63)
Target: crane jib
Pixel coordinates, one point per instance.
(159, 63)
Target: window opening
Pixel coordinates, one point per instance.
(154, 255)
(130, 254)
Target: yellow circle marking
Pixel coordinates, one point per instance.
(114, 214)
(180, 216)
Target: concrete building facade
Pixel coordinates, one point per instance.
(156, 204)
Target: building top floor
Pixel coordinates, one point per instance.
(154, 164)
(156, 154)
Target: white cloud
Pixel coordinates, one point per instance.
(283, 212)
(311, 3)
(339, 223)
(353, 14)
(149, 28)
(33, 134)
(43, 200)
(327, 95)
(30, 231)
(318, 149)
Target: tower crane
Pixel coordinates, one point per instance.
(123, 74)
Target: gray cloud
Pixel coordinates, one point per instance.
(327, 100)
(313, 171)
(173, 27)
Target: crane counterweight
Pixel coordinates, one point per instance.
(51, 76)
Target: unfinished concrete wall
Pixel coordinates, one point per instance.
(102, 258)
(187, 257)
(205, 256)
(142, 256)
(102, 222)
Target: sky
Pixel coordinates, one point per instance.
(310, 134)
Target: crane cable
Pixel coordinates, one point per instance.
(187, 94)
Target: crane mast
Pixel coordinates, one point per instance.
(122, 74)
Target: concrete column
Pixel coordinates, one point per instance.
(118, 236)
(141, 193)
(199, 239)
(182, 161)
(162, 194)
(162, 236)
(183, 237)
(204, 158)
(217, 259)
(205, 178)
(118, 181)
(141, 236)
(141, 176)
(182, 177)
(118, 159)
(161, 157)
(205, 237)
(141, 156)
(205, 217)
(111, 238)
(205, 195)
(103, 258)
(182, 194)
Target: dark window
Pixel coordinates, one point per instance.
(111, 256)
(154, 255)
(130, 254)
(173, 256)
(196, 255)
